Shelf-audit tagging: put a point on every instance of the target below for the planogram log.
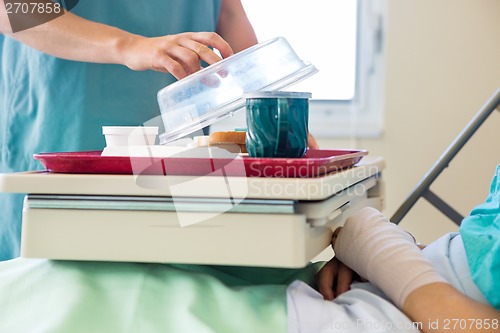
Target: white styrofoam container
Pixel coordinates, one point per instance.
(121, 136)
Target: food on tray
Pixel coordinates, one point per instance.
(200, 141)
(233, 141)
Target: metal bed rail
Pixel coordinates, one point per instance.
(423, 187)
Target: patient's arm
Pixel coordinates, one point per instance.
(384, 254)
(380, 251)
(440, 307)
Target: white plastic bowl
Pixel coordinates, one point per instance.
(120, 136)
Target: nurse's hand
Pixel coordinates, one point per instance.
(178, 54)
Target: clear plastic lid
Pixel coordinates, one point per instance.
(217, 91)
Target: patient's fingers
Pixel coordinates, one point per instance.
(326, 277)
(345, 276)
(335, 235)
(333, 279)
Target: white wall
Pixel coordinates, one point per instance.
(443, 63)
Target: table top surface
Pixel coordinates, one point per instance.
(317, 188)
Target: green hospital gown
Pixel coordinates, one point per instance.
(49, 104)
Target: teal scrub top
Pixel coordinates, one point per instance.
(481, 236)
(49, 104)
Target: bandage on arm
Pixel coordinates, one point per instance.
(384, 254)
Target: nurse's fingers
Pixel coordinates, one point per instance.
(214, 40)
(201, 51)
(188, 49)
(178, 54)
(189, 60)
(162, 54)
(170, 65)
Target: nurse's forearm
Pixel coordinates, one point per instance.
(439, 307)
(234, 25)
(74, 38)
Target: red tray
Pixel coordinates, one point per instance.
(314, 163)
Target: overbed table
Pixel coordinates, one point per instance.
(251, 221)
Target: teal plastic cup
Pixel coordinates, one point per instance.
(277, 123)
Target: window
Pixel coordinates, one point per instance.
(344, 40)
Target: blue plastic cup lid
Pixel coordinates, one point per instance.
(277, 94)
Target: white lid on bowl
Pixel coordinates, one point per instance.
(217, 91)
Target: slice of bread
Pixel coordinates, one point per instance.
(230, 140)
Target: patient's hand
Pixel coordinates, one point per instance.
(334, 279)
